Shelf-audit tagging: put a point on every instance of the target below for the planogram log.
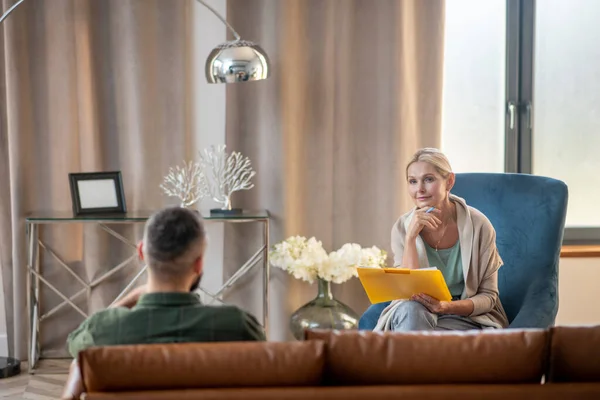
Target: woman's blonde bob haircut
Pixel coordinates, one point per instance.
(433, 157)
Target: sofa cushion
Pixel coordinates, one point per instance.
(574, 354)
(201, 365)
(489, 356)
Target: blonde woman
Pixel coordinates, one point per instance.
(443, 231)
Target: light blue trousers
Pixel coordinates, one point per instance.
(413, 316)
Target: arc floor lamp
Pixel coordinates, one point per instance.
(237, 60)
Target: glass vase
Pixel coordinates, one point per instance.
(323, 312)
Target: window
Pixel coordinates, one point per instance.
(566, 103)
(474, 85)
(522, 94)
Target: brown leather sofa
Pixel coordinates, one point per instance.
(560, 363)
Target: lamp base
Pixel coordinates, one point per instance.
(220, 211)
(9, 367)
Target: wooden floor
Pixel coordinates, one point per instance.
(46, 384)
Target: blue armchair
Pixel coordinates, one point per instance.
(528, 213)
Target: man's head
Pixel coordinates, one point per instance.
(173, 246)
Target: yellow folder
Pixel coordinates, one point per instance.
(385, 284)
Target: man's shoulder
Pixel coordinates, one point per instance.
(106, 318)
(110, 313)
(94, 327)
(230, 317)
(225, 311)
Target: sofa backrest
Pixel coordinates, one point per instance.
(201, 365)
(574, 354)
(351, 358)
(369, 358)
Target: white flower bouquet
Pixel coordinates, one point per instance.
(307, 260)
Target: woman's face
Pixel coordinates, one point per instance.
(426, 186)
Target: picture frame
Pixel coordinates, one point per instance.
(97, 193)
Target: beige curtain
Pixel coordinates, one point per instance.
(85, 86)
(356, 89)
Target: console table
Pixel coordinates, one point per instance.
(35, 275)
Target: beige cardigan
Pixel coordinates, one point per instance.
(480, 260)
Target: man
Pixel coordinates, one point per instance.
(165, 310)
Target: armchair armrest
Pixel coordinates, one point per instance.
(540, 305)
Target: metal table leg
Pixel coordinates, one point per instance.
(28, 242)
(266, 278)
(35, 278)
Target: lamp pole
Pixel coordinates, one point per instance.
(9, 366)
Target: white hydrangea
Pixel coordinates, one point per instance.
(306, 259)
(299, 256)
(373, 257)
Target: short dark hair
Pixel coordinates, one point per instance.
(169, 235)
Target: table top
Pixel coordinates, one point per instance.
(136, 216)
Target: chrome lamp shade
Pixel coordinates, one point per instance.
(237, 61)
(230, 62)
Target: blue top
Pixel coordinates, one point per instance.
(449, 262)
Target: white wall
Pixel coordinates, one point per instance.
(209, 121)
(578, 291)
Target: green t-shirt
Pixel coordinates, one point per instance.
(449, 262)
(165, 318)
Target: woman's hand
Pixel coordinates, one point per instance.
(422, 219)
(432, 304)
